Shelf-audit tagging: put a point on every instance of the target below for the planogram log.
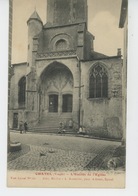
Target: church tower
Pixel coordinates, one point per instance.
(66, 28)
(35, 25)
(63, 12)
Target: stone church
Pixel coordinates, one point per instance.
(64, 78)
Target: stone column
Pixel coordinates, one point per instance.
(60, 104)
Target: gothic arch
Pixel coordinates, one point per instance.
(59, 37)
(56, 87)
(52, 67)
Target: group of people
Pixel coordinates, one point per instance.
(62, 129)
(23, 127)
(82, 130)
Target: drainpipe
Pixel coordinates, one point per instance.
(79, 112)
(39, 105)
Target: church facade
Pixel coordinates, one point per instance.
(64, 78)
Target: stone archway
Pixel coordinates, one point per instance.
(56, 84)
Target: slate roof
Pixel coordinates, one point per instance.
(97, 55)
(35, 16)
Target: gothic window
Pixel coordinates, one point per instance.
(22, 92)
(98, 84)
(61, 44)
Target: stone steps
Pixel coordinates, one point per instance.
(50, 123)
(46, 129)
(50, 130)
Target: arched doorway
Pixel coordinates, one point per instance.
(57, 90)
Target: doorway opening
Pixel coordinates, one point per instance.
(53, 103)
(15, 120)
(67, 103)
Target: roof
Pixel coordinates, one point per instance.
(100, 56)
(35, 16)
(20, 64)
(90, 34)
(123, 13)
(97, 55)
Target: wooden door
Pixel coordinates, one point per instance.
(53, 103)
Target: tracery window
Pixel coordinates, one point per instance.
(98, 83)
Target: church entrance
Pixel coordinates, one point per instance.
(53, 103)
(56, 87)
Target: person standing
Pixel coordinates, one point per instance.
(21, 127)
(70, 124)
(25, 127)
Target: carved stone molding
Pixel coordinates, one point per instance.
(56, 54)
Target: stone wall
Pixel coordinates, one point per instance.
(97, 113)
(21, 117)
(76, 39)
(101, 117)
(19, 72)
(50, 36)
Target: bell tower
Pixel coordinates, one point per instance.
(64, 12)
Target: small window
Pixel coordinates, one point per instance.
(98, 84)
(61, 44)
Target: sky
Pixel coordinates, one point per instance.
(103, 23)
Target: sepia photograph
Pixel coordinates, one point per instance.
(67, 93)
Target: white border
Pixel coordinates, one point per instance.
(132, 116)
(4, 20)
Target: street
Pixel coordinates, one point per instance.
(45, 152)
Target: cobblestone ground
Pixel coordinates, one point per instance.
(56, 152)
